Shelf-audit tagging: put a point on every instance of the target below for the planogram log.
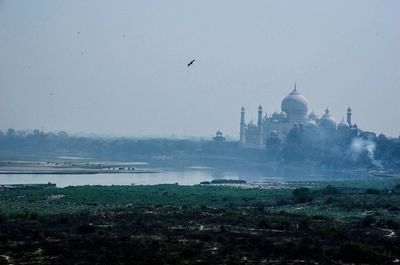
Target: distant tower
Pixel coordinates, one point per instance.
(242, 127)
(260, 130)
(349, 116)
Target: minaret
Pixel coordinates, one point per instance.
(260, 130)
(242, 127)
(349, 116)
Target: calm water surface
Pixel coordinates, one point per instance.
(186, 177)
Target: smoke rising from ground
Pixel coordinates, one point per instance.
(361, 146)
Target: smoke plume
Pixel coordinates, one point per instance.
(360, 147)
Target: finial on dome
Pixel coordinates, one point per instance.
(295, 89)
(326, 111)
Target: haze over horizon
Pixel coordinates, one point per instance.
(120, 68)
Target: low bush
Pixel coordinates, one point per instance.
(359, 253)
(329, 190)
(373, 191)
(303, 195)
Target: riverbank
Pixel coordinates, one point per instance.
(73, 166)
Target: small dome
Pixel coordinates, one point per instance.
(282, 115)
(295, 102)
(313, 116)
(343, 125)
(275, 115)
(310, 124)
(327, 121)
(242, 109)
(251, 124)
(274, 134)
(348, 109)
(382, 136)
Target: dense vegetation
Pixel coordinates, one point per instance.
(171, 224)
(331, 150)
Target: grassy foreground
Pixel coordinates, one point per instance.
(171, 224)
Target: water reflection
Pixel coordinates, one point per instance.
(185, 177)
(292, 174)
(168, 177)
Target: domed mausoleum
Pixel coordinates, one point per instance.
(295, 105)
(294, 112)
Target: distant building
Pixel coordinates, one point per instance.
(294, 113)
(219, 137)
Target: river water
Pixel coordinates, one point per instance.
(183, 177)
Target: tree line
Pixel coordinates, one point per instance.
(335, 149)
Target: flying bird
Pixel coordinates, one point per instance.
(189, 64)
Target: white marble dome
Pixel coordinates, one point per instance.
(251, 124)
(295, 101)
(343, 125)
(313, 116)
(295, 105)
(275, 115)
(310, 124)
(274, 133)
(282, 115)
(328, 121)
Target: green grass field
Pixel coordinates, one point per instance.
(340, 223)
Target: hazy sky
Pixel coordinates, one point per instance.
(125, 72)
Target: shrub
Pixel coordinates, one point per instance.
(391, 223)
(2, 217)
(368, 221)
(264, 224)
(359, 253)
(63, 220)
(85, 229)
(33, 216)
(329, 200)
(330, 190)
(304, 224)
(283, 223)
(303, 195)
(373, 191)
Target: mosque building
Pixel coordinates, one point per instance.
(294, 113)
